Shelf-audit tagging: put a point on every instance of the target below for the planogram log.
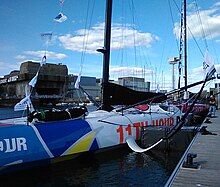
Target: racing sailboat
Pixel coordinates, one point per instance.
(42, 137)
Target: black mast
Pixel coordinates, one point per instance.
(181, 49)
(185, 45)
(106, 53)
(183, 40)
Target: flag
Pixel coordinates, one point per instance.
(34, 80)
(46, 37)
(208, 66)
(23, 104)
(43, 61)
(60, 18)
(61, 2)
(78, 78)
(158, 88)
(78, 81)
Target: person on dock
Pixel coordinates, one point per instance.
(212, 106)
(212, 109)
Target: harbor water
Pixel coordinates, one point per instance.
(120, 167)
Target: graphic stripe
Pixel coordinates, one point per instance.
(42, 141)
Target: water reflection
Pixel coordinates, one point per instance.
(115, 168)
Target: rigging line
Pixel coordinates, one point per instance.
(47, 45)
(207, 23)
(203, 32)
(196, 42)
(177, 127)
(86, 33)
(144, 56)
(166, 94)
(179, 10)
(79, 95)
(122, 54)
(85, 40)
(52, 31)
(195, 95)
(134, 27)
(45, 50)
(171, 14)
(143, 48)
(137, 48)
(55, 22)
(191, 98)
(122, 32)
(146, 60)
(61, 5)
(177, 6)
(162, 65)
(132, 8)
(158, 75)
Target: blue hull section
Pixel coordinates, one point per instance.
(59, 136)
(20, 144)
(23, 144)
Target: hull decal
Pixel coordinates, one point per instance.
(84, 143)
(60, 135)
(42, 141)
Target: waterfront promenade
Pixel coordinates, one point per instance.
(207, 148)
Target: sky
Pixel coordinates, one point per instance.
(145, 34)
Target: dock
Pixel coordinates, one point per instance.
(205, 150)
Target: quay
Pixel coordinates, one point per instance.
(206, 152)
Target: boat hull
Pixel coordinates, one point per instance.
(26, 143)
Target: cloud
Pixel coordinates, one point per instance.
(210, 19)
(20, 57)
(5, 67)
(197, 71)
(89, 40)
(50, 54)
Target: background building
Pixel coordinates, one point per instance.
(135, 83)
(50, 87)
(89, 84)
(55, 85)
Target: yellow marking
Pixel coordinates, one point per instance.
(82, 145)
